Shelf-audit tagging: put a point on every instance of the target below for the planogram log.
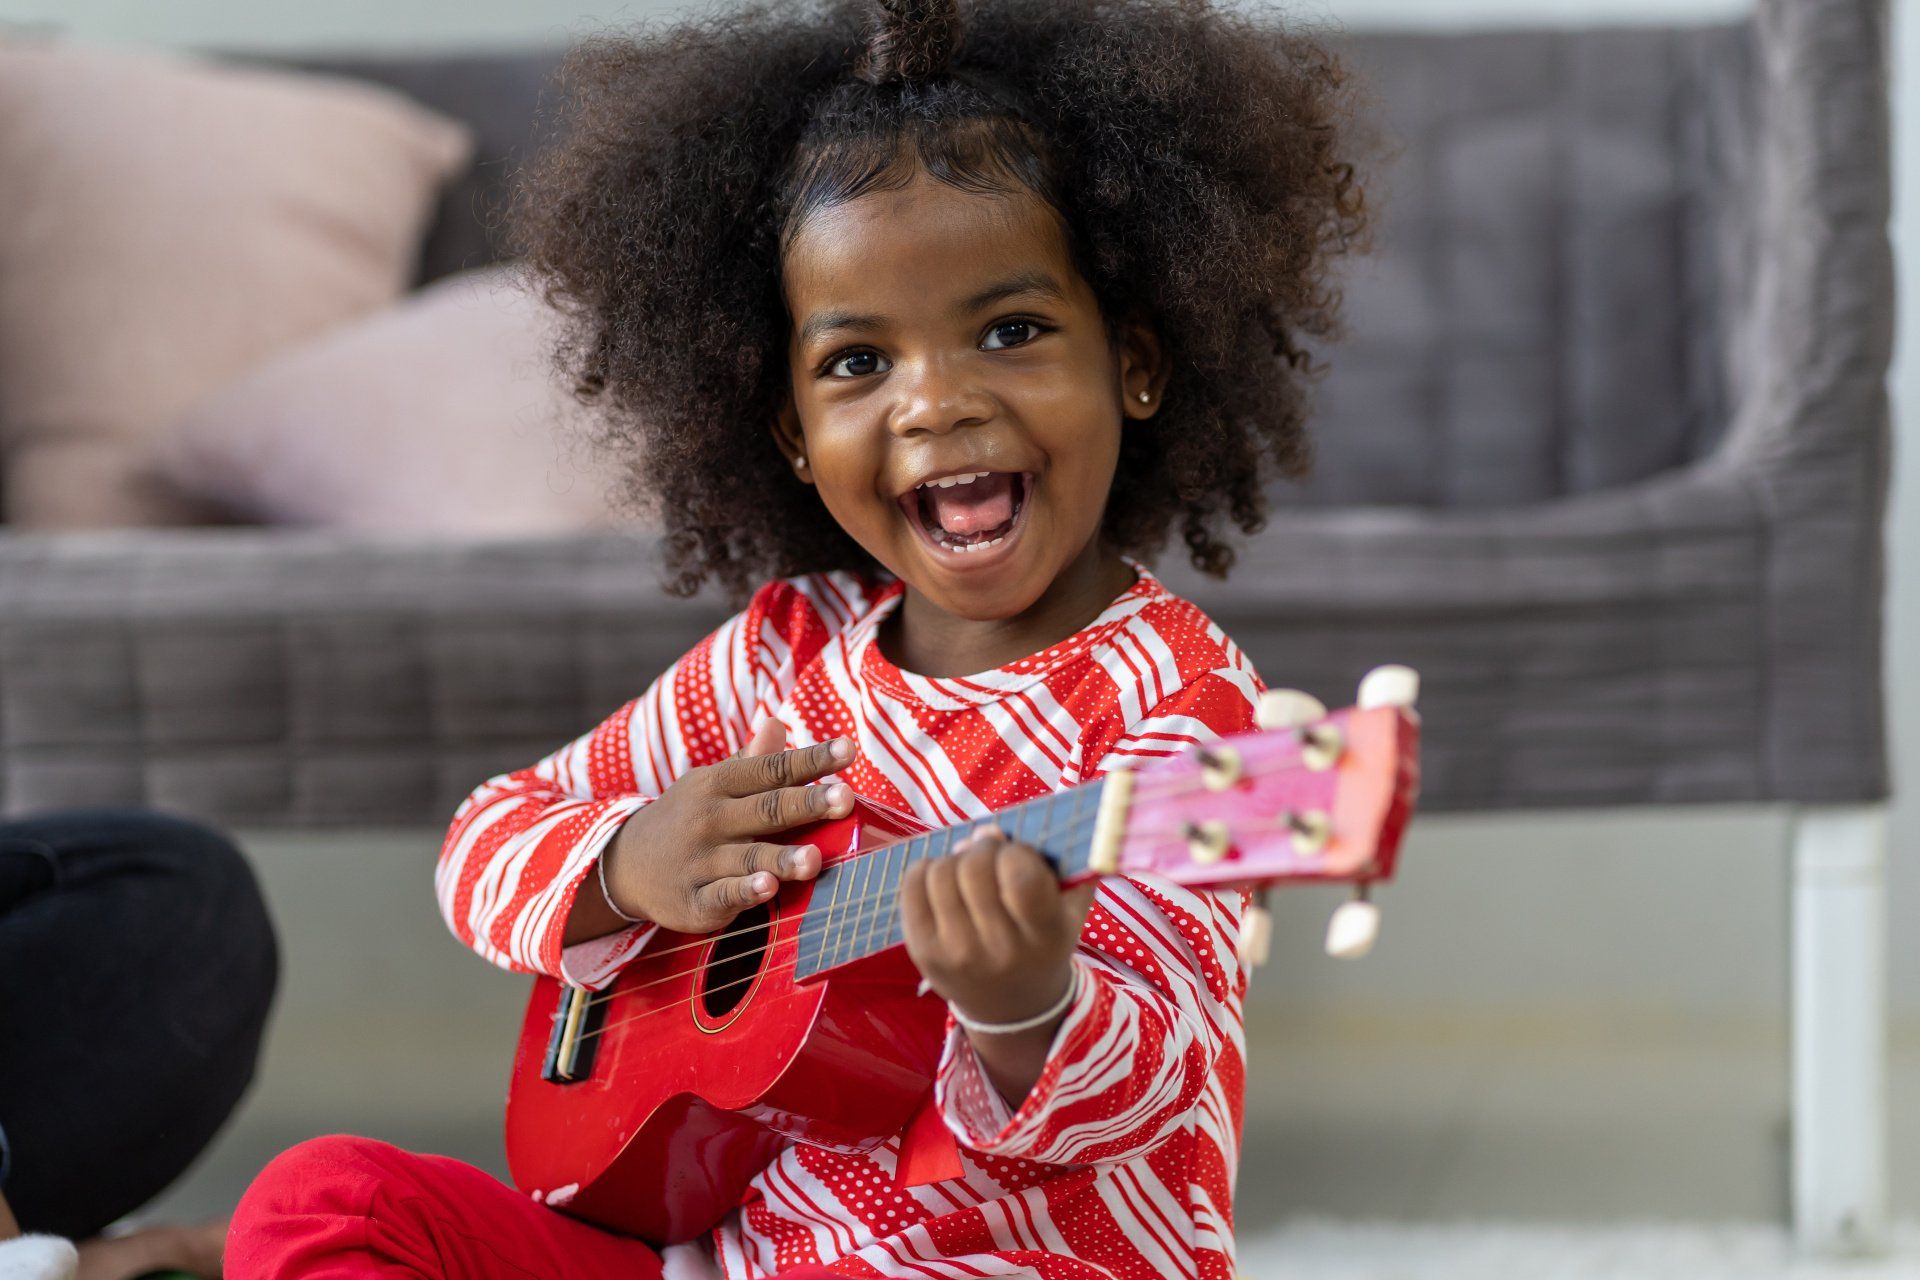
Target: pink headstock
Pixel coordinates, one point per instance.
(1318, 797)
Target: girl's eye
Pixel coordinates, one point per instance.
(871, 356)
(1033, 329)
(860, 364)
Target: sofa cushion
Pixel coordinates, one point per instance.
(439, 414)
(170, 224)
(507, 98)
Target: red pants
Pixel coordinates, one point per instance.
(351, 1207)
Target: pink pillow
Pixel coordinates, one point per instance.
(437, 415)
(169, 224)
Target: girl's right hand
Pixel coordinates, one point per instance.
(699, 855)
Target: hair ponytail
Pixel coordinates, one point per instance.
(908, 41)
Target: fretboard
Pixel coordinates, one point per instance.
(855, 908)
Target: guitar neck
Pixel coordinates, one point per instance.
(854, 910)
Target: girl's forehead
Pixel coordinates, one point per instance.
(928, 241)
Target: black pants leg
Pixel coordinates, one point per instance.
(137, 964)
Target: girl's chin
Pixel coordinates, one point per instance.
(981, 586)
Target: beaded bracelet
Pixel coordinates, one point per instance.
(1040, 1019)
(608, 895)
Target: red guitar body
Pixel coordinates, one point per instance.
(679, 1115)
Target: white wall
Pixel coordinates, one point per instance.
(1673, 913)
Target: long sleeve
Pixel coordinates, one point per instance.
(523, 842)
(1160, 991)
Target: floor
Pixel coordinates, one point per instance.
(1316, 1249)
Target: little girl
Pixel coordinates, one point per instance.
(937, 325)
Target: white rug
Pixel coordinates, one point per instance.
(1325, 1249)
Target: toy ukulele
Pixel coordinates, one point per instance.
(649, 1107)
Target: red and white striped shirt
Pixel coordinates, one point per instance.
(1121, 1160)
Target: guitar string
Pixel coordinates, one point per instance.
(861, 912)
(1138, 794)
(867, 908)
(1041, 835)
(853, 912)
(1045, 833)
(704, 939)
(676, 1004)
(669, 1008)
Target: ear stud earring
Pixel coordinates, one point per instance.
(1145, 398)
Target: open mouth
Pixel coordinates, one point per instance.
(969, 513)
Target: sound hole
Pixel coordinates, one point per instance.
(735, 958)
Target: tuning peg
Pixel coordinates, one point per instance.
(1287, 709)
(1320, 746)
(1354, 928)
(1311, 829)
(1220, 767)
(1208, 841)
(1256, 930)
(1390, 686)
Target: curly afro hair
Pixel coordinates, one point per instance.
(1201, 161)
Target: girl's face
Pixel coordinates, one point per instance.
(955, 396)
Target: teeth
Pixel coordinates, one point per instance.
(947, 482)
(976, 546)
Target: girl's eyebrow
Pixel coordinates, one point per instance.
(1032, 281)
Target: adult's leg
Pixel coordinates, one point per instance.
(139, 967)
(342, 1208)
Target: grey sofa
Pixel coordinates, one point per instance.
(1605, 457)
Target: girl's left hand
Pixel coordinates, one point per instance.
(991, 929)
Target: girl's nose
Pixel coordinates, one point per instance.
(938, 396)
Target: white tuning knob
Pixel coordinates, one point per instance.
(1389, 686)
(1352, 931)
(1208, 842)
(1287, 709)
(1256, 931)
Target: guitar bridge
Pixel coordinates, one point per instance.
(576, 1036)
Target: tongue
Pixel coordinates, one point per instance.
(985, 504)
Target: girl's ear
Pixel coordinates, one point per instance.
(1142, 363)
(787, 434)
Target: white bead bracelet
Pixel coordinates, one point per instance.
(608, 894)
(1040, 1019)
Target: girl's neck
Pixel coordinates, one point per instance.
(924, 639)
